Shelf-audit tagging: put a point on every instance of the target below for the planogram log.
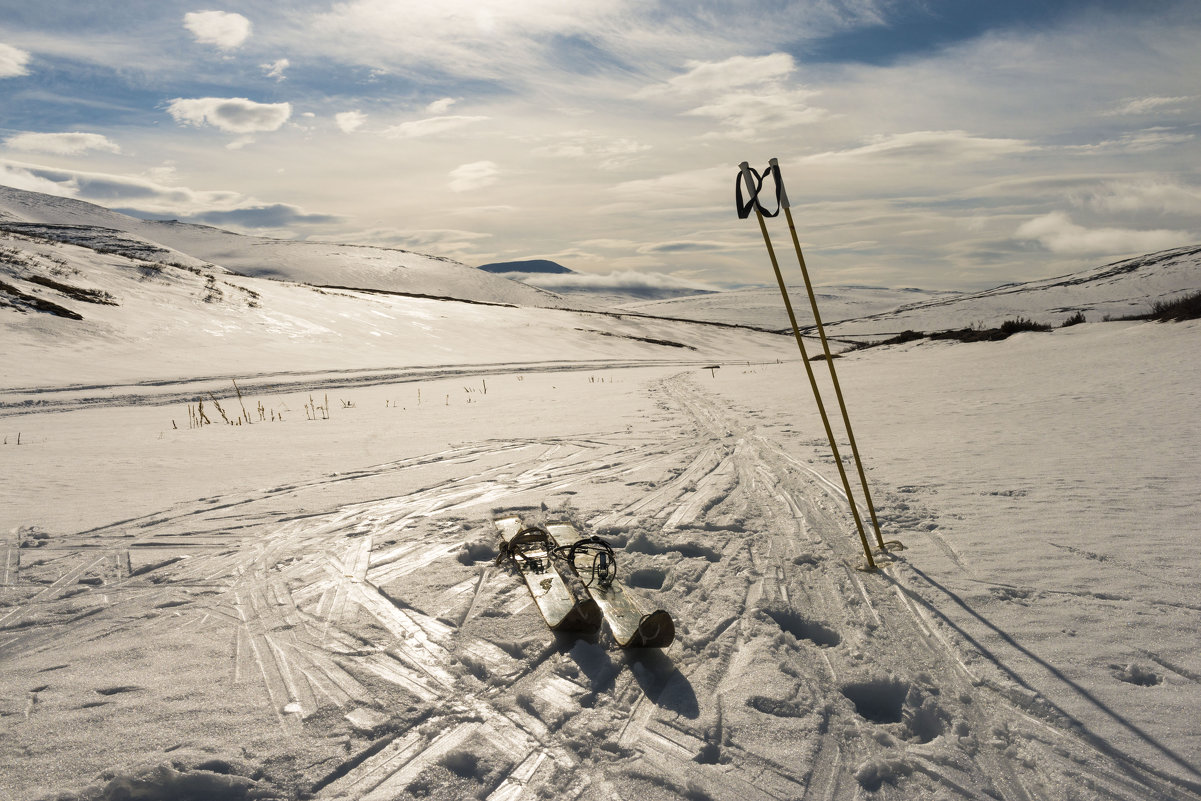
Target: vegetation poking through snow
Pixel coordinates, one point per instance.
(976, 333)
(23, 302)
(75, 292)
(1185, 307)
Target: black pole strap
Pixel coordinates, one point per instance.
(753, 181)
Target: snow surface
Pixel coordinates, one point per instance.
(305, 605)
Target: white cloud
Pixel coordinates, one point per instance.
(1058, 234)
(350, 121)
(61, 144)
(1136, 142)
(13, 62)
(430, 240)
(276, 68)
(476, 175)
(605, 152)
(429, 127)
(708, 78)
(748, 96)
(488, 39)
(941, 145)
(222, 29)
(1144, 105)
(439, 107)
(18, 176)
(647, 283)
(150, 197)
(230, 114)
(1134, 197)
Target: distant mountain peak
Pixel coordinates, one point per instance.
(526, 266)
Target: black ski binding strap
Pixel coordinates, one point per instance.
(604, 562)
(518, 548)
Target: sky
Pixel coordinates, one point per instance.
(939, 144)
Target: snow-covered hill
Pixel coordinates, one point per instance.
(317, 263)
(1127, 287)
(82, 304)
(762, 307)
(1123, 288)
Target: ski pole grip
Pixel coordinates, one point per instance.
(748, 177)
(775, 168)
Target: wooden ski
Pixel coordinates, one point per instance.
(629, 625)
(530, 549)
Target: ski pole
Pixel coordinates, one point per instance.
(821, 331)
(753, 188)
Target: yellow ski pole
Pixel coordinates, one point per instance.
(821, 331)
(753, 189)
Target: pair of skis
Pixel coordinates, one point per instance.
(573, 582)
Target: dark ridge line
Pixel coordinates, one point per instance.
(617, 315)
(413, 295)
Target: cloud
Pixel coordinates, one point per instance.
(431, 126)
(440, 106)
(222, 29)
(606, 153)
(1057, 233)
(350, 121)
(274, 215)
(13, 62)
(431, 240)
(481, 39)
(688, 246)
(1136, 142)
(276, 68)
(708, 78)
(681, 189)
(475, 175)
(230, 114)
(940, 145)
(748, 96)
(626, 282)
(609, 244)
(61, 144)
(1149, 196)
(1146, 105)
(147, 198)
(19, 177)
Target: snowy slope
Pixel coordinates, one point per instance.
(764, 308)
(1119, 289)
(1123, 288)
(317, 263)
(203, 321)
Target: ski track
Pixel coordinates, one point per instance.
(871, 690)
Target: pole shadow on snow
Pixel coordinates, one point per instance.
(1127, 762)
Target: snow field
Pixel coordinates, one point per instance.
(325, 617)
